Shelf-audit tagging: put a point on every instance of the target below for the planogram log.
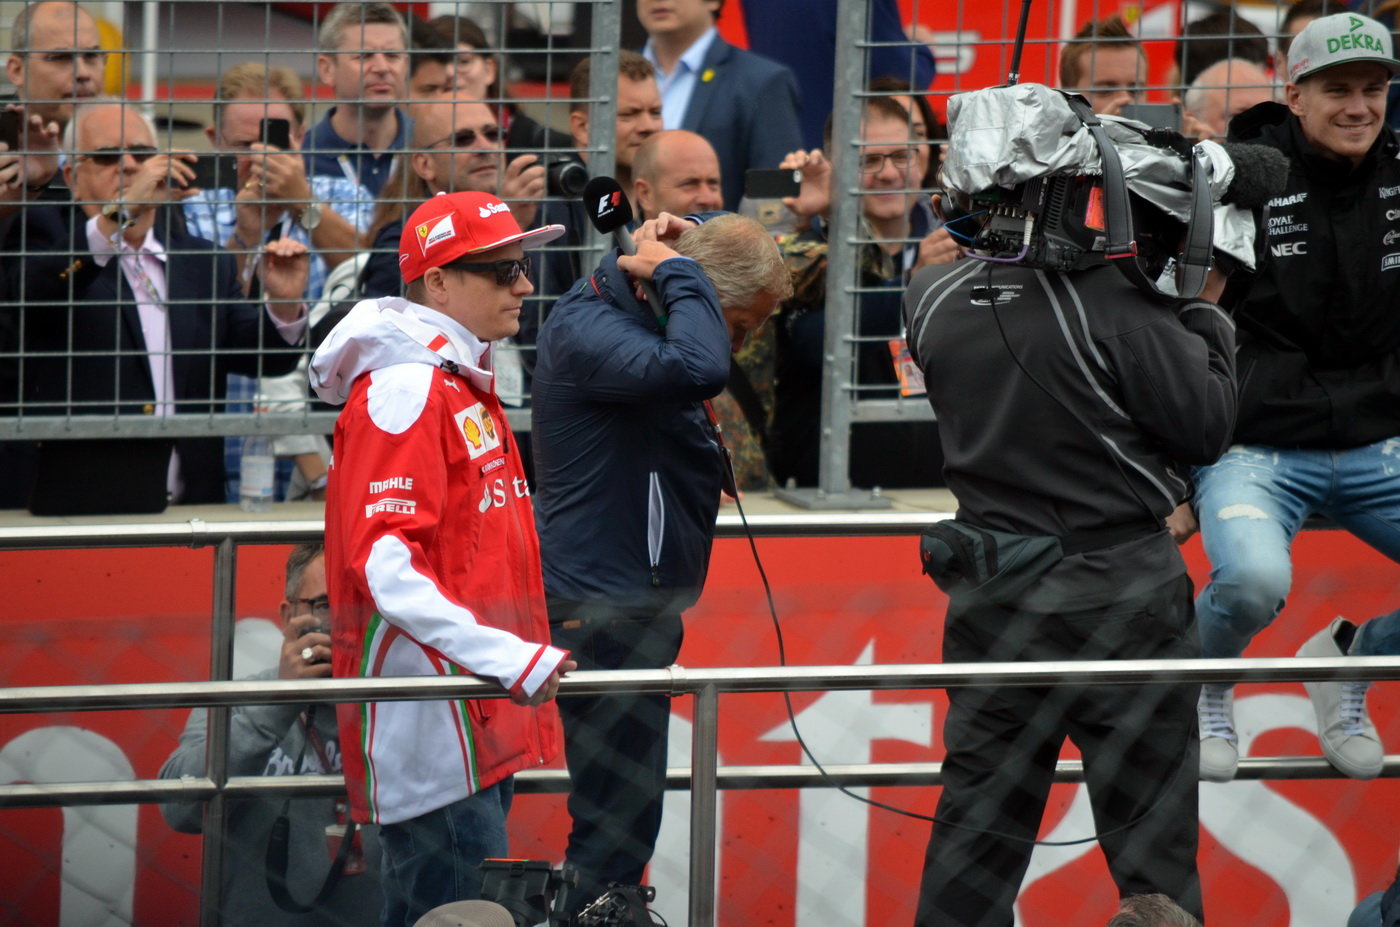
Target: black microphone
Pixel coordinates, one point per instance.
(611, 213)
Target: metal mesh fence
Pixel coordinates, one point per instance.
(181, 342)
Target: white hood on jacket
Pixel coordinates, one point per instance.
(379, 333)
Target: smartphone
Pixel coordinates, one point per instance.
(212, 172)
(11, 124)
(278, 133)
(1156, 115)
(762, 184)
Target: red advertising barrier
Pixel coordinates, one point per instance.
(1277, 853)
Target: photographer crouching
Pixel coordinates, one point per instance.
(1076, 361)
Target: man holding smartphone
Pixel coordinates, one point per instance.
(259, 117)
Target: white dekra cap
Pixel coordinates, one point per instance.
(1342, 38)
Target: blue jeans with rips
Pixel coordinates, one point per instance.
(1253, 501)
(1379, 637)
(432, 859)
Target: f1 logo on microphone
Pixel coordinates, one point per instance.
(608, 202)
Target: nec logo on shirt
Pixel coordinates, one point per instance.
(478, 430)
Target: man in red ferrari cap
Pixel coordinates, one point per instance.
(431, 555)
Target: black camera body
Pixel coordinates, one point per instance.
(1054, 223)
(534, 892)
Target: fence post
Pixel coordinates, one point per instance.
(704, 805)
(216, 744)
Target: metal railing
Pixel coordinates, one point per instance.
(704, 778)
(705, 686)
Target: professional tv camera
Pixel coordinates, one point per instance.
(1037, 178)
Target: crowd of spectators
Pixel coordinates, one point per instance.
(181, 289)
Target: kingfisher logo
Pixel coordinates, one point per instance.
(478, 429)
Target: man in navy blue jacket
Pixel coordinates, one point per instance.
(744, 104)
(629, 474)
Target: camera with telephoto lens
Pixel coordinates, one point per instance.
(564, 174)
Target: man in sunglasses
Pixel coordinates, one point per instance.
(124, 312)
(629, 473)
(458, 145)
(433, 565)
(284, 740)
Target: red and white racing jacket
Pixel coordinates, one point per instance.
(432, 561)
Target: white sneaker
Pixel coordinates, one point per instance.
(1348, 737)
(1215, 712)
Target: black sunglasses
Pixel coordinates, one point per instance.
(465, 138)
(507, 272)
(110, 157)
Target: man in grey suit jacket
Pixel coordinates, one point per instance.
(744, 104)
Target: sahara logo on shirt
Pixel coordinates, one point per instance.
(478, 430)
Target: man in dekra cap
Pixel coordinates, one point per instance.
(1319, 373)
(431, 556)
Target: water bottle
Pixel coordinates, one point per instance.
(257, 474)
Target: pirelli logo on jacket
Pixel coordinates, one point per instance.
(478, 428)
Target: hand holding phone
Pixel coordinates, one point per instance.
(278, 133)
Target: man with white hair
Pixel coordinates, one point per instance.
(629, 470)
(123, 312)
(1220, 93)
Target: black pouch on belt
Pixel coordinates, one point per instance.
(997, 567)
(991, 566)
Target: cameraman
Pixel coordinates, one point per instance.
(283, 740)
(1066, 401)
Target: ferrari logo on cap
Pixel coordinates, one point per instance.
(434, 231)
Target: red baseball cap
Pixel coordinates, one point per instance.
(451, 225)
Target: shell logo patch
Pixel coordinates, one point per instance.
(478, 430)
(434, 232)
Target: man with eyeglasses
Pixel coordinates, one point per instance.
(124, 312)
(284, 740)
(363, 59)
(433, 564)
(55, 59)
(902, 232)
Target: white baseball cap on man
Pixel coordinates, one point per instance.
(1342, 38)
